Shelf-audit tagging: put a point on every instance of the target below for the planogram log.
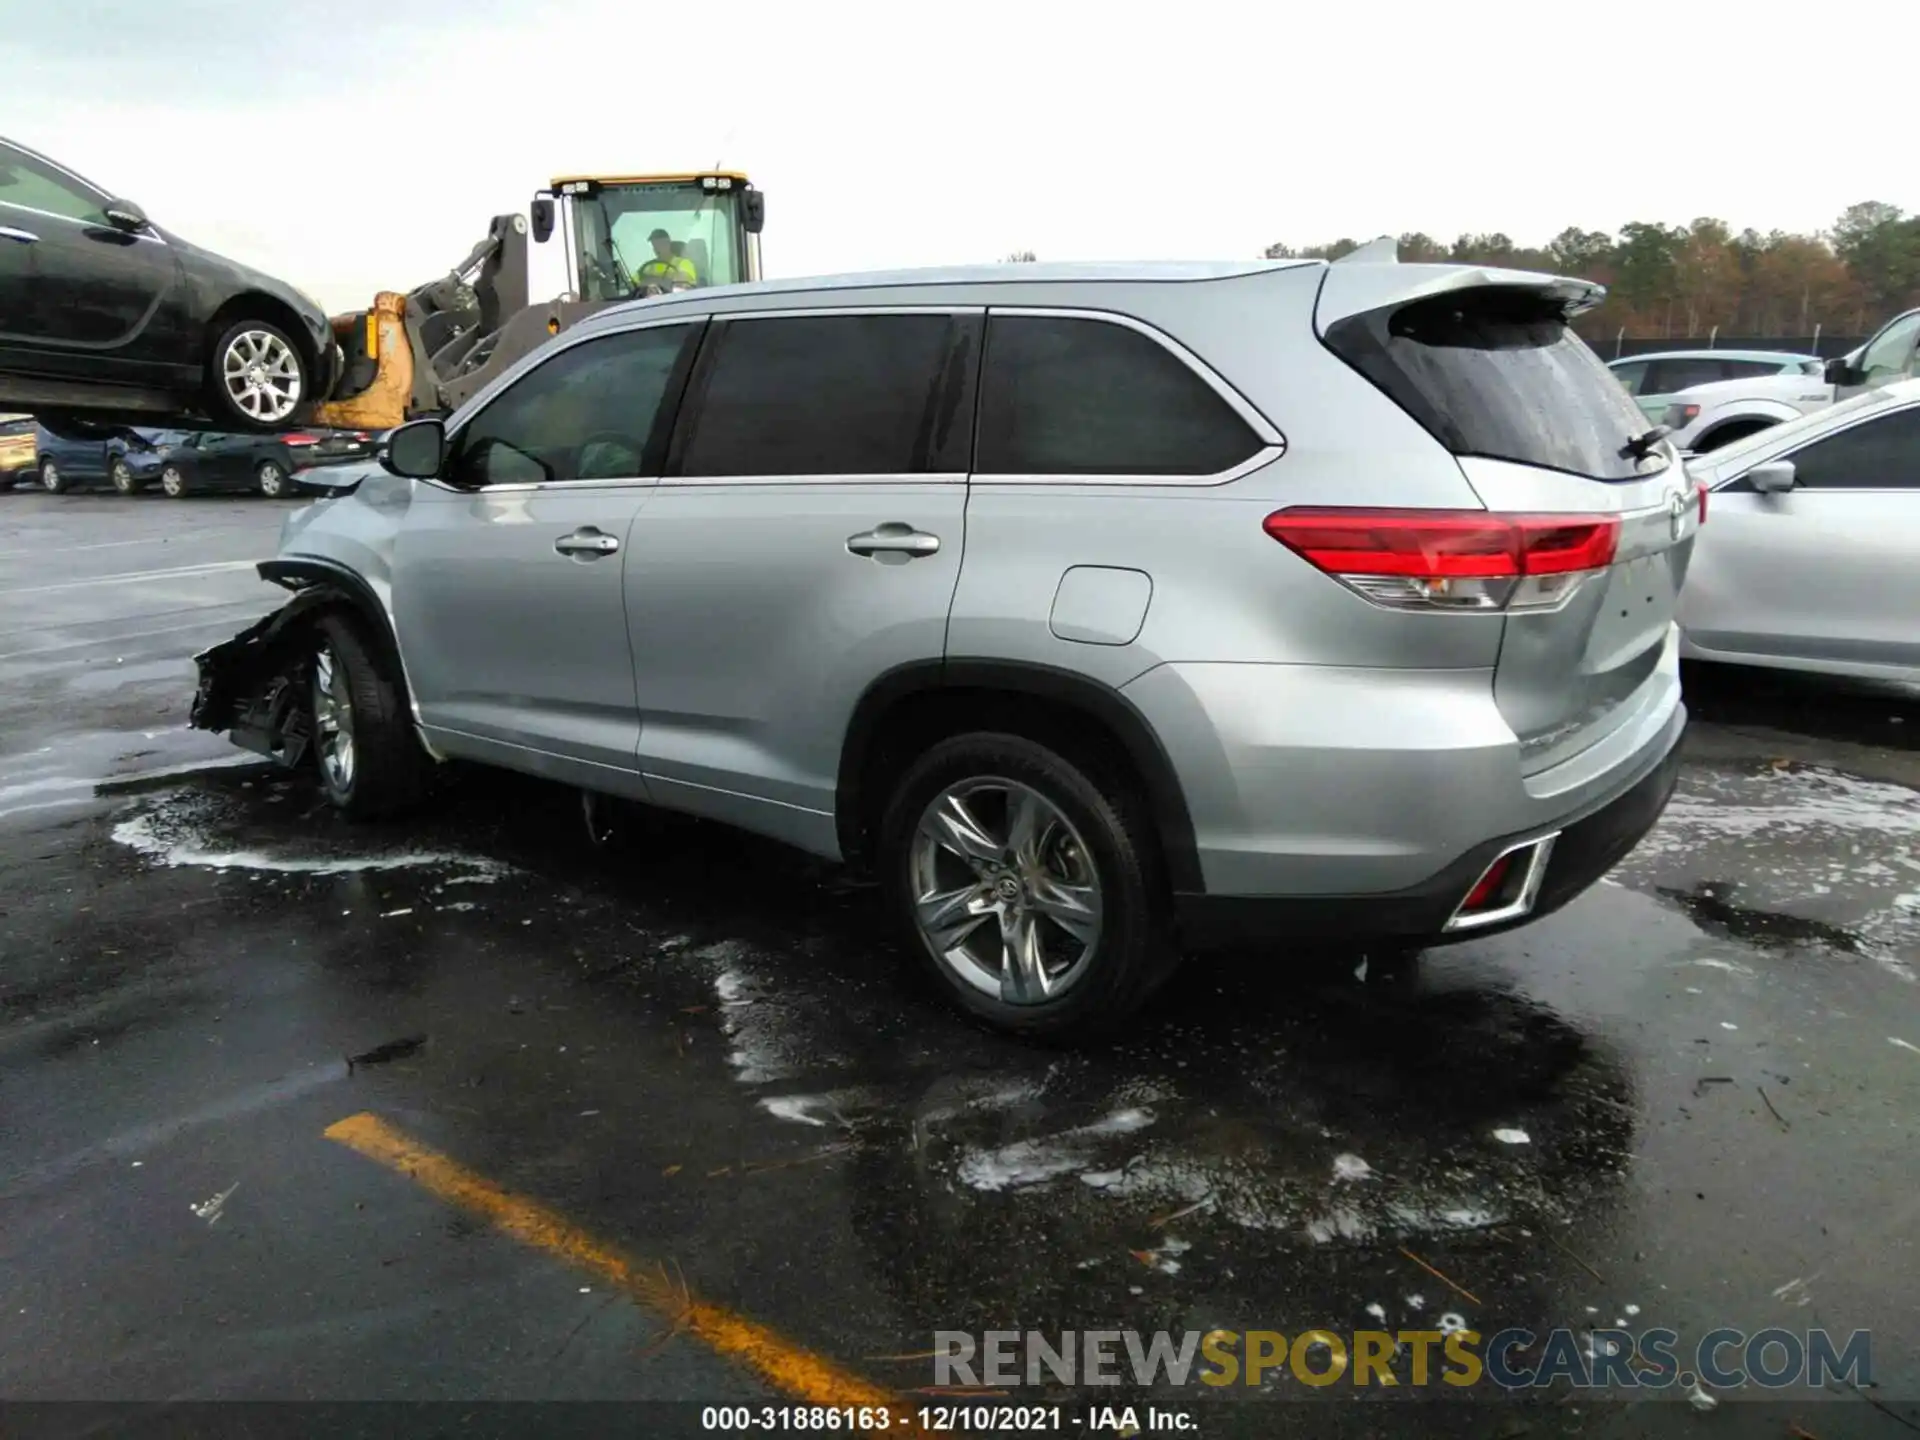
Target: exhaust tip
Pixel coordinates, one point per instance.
(1507, 888)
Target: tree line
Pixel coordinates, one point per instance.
(1674, 282)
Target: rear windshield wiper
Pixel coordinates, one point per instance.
(1641, 446)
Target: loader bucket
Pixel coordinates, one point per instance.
(373, 341)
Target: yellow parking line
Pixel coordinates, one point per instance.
(788, 1367)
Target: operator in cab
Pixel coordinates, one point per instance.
(666, 269)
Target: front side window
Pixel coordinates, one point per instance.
(1752, 369)
(1878, 454)
(1071, 396)
(26, 182)
(589, 413)
(830, 395)
(1887, 354)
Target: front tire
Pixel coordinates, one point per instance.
(51, 480)
(173, 482)
(1030, 892)
(258, 378)
(121, 474)
(369, 761)
(274, 482)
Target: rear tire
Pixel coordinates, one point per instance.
(51, 480)
(121, 474)
(352, 696)
(173, 482)
(274, 482)
(1088, 856)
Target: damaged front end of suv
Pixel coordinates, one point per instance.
(271, 687)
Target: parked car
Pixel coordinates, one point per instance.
(16, 450)
(272, 464)
(1890, 355)
(1102, 611)
(101, 310)
(64, 463)
(1810, 562)
(1710, 398)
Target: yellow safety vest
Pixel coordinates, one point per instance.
(666, 271)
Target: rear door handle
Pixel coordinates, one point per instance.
(25, 237)
(587, 543)
(893, 538)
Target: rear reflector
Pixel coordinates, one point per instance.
(1508, 888)
(1703, 502)
(1450, 559)
(1485, 887)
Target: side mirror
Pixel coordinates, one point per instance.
(753, 210)
(127, 216)
(1840, 371)
(542, 220)
(416, 451)
(1773, 478)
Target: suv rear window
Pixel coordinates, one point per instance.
(1495, 372)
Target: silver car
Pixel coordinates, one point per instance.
(1813, 558)
(1105, 612)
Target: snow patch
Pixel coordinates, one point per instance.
(140, 835)
(1350, 1167)
(1030, 1162)
(1508, 1135)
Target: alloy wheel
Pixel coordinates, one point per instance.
(174, 481)
(333, 722)
(1004, 890)
(273, 480)
(262, 375)
(50, 477)
(122, 475)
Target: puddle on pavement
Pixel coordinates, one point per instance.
(1824, 859)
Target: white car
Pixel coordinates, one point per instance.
(1710, 398)
(1807, 559)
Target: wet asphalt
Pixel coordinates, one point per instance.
(1691, 1098)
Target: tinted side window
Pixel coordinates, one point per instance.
(27, 182)
(1089, 397)
(1631, 376)
(1666, 376)
(1752, 369)
(825, 395)
(1888, 352)
(589, 413)
(1881, 454)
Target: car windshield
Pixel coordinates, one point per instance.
(672, 231)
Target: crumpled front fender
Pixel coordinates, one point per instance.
(252, 685)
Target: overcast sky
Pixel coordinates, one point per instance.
(356, 145)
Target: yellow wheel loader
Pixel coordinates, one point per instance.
(625, 236)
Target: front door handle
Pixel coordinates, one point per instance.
(893, 538)
(587, 543)
(25, 237)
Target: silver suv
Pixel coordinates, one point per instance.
(1104, 612)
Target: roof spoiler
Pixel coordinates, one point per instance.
(1351, 286)
(1383, 251)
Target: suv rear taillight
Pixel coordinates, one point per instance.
(1450, 559)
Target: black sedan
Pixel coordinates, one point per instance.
(105, 316)
(271, 464)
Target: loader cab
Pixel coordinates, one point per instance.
(612, 230)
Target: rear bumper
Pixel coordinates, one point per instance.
(1589, 844)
